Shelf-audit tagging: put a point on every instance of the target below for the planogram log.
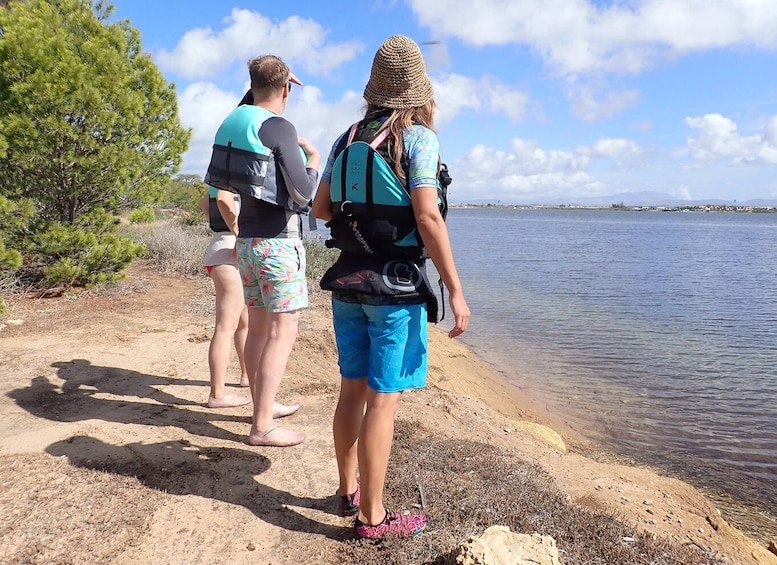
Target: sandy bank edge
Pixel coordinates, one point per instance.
(627, 491)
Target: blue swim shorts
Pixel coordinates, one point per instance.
(386, 343)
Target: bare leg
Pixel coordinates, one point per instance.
(345, 427)
(280, 330)
(229, 306)
(240, 345)
(255, 341)
(375, 440)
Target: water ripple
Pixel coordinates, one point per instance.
(655, 334)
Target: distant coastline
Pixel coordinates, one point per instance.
(620, 206)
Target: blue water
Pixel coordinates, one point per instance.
(652, 333)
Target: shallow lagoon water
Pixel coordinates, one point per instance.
(653, 333)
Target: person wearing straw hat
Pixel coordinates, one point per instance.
(380, 296)
(258, 155)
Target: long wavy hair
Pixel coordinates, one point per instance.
(396, 122)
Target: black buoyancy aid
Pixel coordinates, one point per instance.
(216, 220)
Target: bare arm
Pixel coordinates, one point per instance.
(225, 200)
(434, 233)
(322, 203)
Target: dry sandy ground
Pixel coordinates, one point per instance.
(108, 455)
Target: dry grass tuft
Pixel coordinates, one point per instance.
(470, 486)
(174, 247)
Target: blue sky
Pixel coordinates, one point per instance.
(539, 100)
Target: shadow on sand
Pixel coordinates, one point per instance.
(111, 394)
(220, 473)
(141, 400)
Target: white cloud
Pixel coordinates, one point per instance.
(682, 192)
(301, 42)
(610, 148)
(644, 125)
(581, 36)
(202, 106)
(436, 56)
(769, 142)
(718, 137)
(592, 103)
(455, 93)
(524, 172)
(322, 122)
(531, 159)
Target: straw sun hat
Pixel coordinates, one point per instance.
(398, 79)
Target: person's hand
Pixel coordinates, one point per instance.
(307, 147)
(460, 314)
(294, 79)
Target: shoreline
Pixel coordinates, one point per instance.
(491, 384)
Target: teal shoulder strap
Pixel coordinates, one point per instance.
(369, 164)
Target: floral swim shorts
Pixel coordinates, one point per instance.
(273, 273)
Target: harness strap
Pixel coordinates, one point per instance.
(352, 134)
(368, 198)
(343, 171)
(229, 157)
(380, 138)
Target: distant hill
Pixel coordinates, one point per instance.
(645, 198)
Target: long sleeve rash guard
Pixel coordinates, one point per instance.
(288, 173)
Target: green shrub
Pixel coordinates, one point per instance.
(76, 256)
(142, 216)
(9, 258)
(183, 193)
(62, 272)
(12, 215)
(15, 219)
(319, 259)
(50, 253)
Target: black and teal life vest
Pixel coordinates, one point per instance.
(241, 163)
(372, 213)
(374, 226)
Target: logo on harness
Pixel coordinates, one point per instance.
(402, 277)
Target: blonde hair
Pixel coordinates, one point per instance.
(396, 123)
